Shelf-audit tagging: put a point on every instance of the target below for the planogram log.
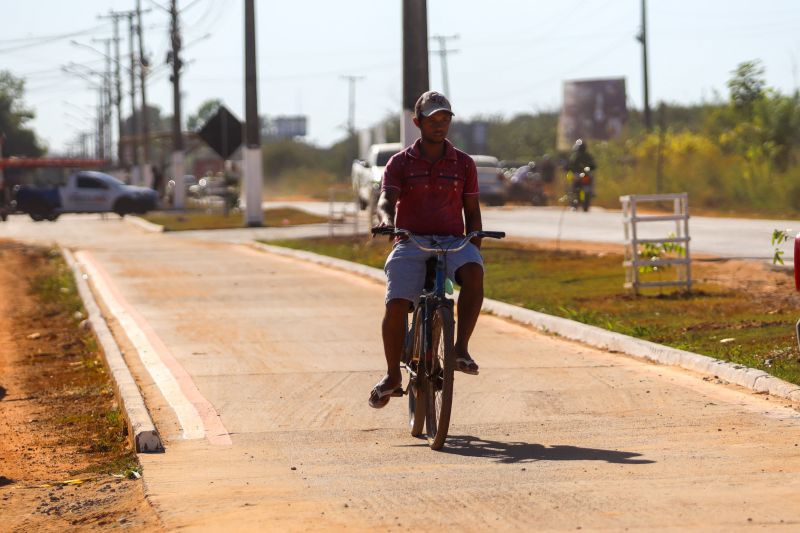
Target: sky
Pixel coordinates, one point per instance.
(510, 56)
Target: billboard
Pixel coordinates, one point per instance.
(289, 127)
(592, 109)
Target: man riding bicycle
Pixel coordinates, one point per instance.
(426, 189)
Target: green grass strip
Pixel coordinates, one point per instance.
(588, 288)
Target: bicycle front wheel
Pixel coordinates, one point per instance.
(416, 388)
(438, 376)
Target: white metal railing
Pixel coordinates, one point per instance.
(632, 218)
(341, 207)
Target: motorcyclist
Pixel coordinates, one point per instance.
(522, 174)
(579, 160)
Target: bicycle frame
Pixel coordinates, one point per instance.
(430, 387)
(430, 300)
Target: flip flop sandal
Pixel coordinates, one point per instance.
(379, 398)
(467, 365)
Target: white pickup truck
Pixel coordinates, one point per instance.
(84, 192)
(367, 174)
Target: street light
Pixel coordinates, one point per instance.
(102, 115)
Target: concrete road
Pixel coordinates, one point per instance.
(723, 237)
(278, 357)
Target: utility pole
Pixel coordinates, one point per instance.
(351, 112)
(443, 51)
(100, 151)
(642, 38)
(118, 95)
(253, 181)
(135, 126)
(415, 63)
(146, 172)
(107, 102)
(177, 135)
(115, 16)
(4, 200)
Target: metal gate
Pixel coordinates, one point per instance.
(633, 217)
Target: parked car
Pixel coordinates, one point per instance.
(218, 186)
(84, 192)
(491, 181)
(367, 174)
(508, 167)
(190, 184)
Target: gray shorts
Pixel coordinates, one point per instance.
(405, 266)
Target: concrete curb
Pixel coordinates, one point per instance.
(143, 224)
(141, 430)
(749, 378)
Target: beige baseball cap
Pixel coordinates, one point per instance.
(431, 102)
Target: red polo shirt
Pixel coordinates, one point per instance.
(431, 200)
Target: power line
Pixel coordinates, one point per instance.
(46, 39)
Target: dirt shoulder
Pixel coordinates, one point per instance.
(64, 461)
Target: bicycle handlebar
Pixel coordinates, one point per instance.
(399, 232)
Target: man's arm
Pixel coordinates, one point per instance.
(472, 216)
(386, 206)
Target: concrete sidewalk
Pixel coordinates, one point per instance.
(552, 435)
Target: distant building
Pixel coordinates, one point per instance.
(592, 109)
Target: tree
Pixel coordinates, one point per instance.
(204, 112)
(155, 122)
(19, 140)
(747, 85)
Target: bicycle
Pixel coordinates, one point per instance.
(429, 353)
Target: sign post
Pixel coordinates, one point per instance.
(253, 178)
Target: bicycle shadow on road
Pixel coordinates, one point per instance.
(521, 452)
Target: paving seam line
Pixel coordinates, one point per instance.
(141, 430)
(750, 378)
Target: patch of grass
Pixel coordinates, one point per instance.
(56, 288)
(201, 220)
(85, 400)
(588, 288)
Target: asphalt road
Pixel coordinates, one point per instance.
(551, 436)
(723, 237)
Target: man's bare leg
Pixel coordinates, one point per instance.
(394, 333)
(470, 300)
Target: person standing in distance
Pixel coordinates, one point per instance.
(429, 189)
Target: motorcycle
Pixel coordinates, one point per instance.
(527, 186)
(582, 190)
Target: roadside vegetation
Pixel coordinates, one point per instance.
(81, 393)
(202, 220)
(66, 463)
(747, 323)
(736, 154)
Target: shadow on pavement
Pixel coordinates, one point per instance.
(5, 481)
(518, 452)
(2, 392)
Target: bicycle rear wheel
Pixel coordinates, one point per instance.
(416, 387)
(438, 378)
